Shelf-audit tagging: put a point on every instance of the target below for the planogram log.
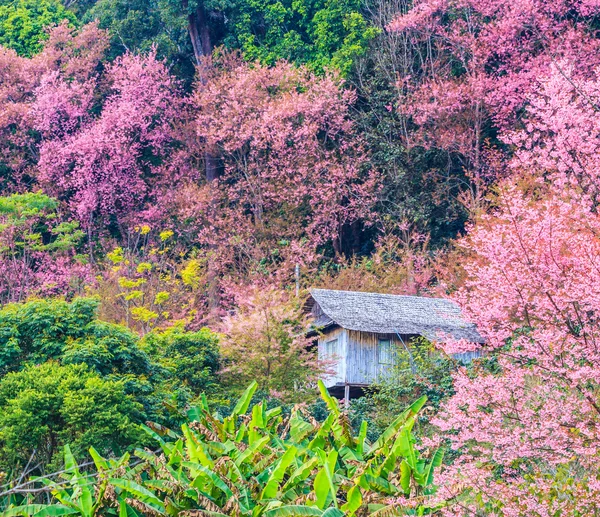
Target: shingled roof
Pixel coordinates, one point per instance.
(433, 318)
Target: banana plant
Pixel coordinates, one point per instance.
(76, 492)
(256, 463)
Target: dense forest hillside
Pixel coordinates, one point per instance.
(176, 174)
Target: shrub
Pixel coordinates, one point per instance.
(44, 407)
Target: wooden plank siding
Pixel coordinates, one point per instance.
(359, 356)
(365, 362)
(338, 375)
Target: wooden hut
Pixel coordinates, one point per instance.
(361, 331)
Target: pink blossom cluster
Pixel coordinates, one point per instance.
(534, 290)
(294, 171)
(114, 163)
(473, 67)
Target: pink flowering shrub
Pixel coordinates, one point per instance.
(265, 341)
(561, 131)
(294, 172)
(60, 79)
(532, 405)
(113, 166)
(472, 67)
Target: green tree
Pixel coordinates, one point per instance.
(140, 25)
(35, 244)
(190, 359)
(320, 34)
(69, 332)
(44, 407)
(24, 23)
(38, 331)
(161, 374)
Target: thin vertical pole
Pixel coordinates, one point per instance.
(347, 394)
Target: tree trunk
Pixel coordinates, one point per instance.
(199, 32)
(200, 36)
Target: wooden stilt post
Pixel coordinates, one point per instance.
(346, 394)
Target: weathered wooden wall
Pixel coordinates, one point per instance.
(338, 368)
(358, 356)
(467, 357)
(364, 357)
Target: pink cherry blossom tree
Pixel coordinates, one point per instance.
(525, 419)
(294, 171)
(111, 167)
(70, 59)
(265, 341)
(560, 133)
(474, 65)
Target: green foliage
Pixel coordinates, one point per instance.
(190, 358)
(421, 185)
(140, 25)
(45, 407)
(30, 220)
(260, 464)
(39, 330)
(418, 370)
(35, 246)
(264, 464)
(77, 491)
(170, 367)
(24, 23)
(320, 34)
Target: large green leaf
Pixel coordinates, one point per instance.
(436, 461)
(332, 404)
(293, 511)
(302, 472)
(276, 476)
(242, 405)
(405, 475)
(252, 450)
(40, 510)
(70, 463)
(324, 485)
(395, 426)
(195, 448)
(99, 461)
(332, 512)
(210, 475)
(321, 487)
(140, 493)
(353, 500)
(362, 438)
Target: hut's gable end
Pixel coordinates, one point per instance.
(333, 349)
(320, 319)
